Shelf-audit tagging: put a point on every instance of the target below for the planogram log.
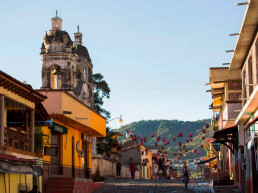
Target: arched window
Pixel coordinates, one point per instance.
(55, 76)
(73, 75)
(85, 73)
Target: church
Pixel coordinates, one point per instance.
(66, 64)
(67, 83)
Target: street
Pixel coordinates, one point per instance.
(153, 186)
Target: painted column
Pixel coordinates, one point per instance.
(2, 120)
(89, 166)
(32, 128)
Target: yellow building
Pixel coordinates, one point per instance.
(67, 81)
(146, 160)
(140, 156)
(115, 147)
(21, 119)
(74, 125)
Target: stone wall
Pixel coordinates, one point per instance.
(131, 154)
(104, 167)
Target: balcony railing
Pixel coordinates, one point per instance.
(17, 138)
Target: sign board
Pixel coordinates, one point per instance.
(216, 146)
(52, 151)
(85, 137)
(59, 128)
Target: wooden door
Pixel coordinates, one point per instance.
(73, 156)
(55, 160)
(85, 154)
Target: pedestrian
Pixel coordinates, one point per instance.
(160, 174)
(169, 172)
(186, 174)
(132, 169)
(118, 169)
(156, 171)
(34, 190)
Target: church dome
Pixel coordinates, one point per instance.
(82, 51)
(58, 36)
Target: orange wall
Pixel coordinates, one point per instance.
(149, 164)
(66, 147)
(98, 123)
(89, 121)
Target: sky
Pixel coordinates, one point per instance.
(154, 54)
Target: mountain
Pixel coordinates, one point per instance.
(169, 129)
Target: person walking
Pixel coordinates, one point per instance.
(118, 169)
(186, 174)
(132, 169)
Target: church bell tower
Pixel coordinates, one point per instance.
(66, 65)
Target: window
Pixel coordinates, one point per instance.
(243, 87)
(250, 75)
(55, 76)
(85, 74)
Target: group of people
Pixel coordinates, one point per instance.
(118, 170)
(186, 172)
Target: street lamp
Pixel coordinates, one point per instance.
(120, 119)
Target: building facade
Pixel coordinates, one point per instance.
(234, 93)
(140, 156)
(22, 119)
(67, 83)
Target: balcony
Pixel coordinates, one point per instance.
(249, 108)
(16, 138)
(230, 113)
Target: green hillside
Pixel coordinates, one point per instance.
(169, 129)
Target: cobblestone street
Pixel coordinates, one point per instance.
(153, 186)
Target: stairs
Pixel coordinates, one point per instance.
(61, 185)
(226, 189)
(223, 182)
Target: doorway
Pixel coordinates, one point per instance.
(55, 159)
(85, 156)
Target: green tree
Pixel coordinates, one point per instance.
(101, 91)
(104, 144)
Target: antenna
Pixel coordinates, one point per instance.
(78, 28)
(56, 13)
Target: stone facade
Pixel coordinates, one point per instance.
(133, 153)
(66, 64)
(104, 167)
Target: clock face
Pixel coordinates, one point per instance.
(78, 146)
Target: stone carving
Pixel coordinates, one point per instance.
(66, 64)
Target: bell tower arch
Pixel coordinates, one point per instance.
(66, 64)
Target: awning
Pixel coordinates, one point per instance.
(13, 164)
(206, 161)
(228, 135)
(225, 132)
(59, 128)
(12, 158)
(19, 168)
